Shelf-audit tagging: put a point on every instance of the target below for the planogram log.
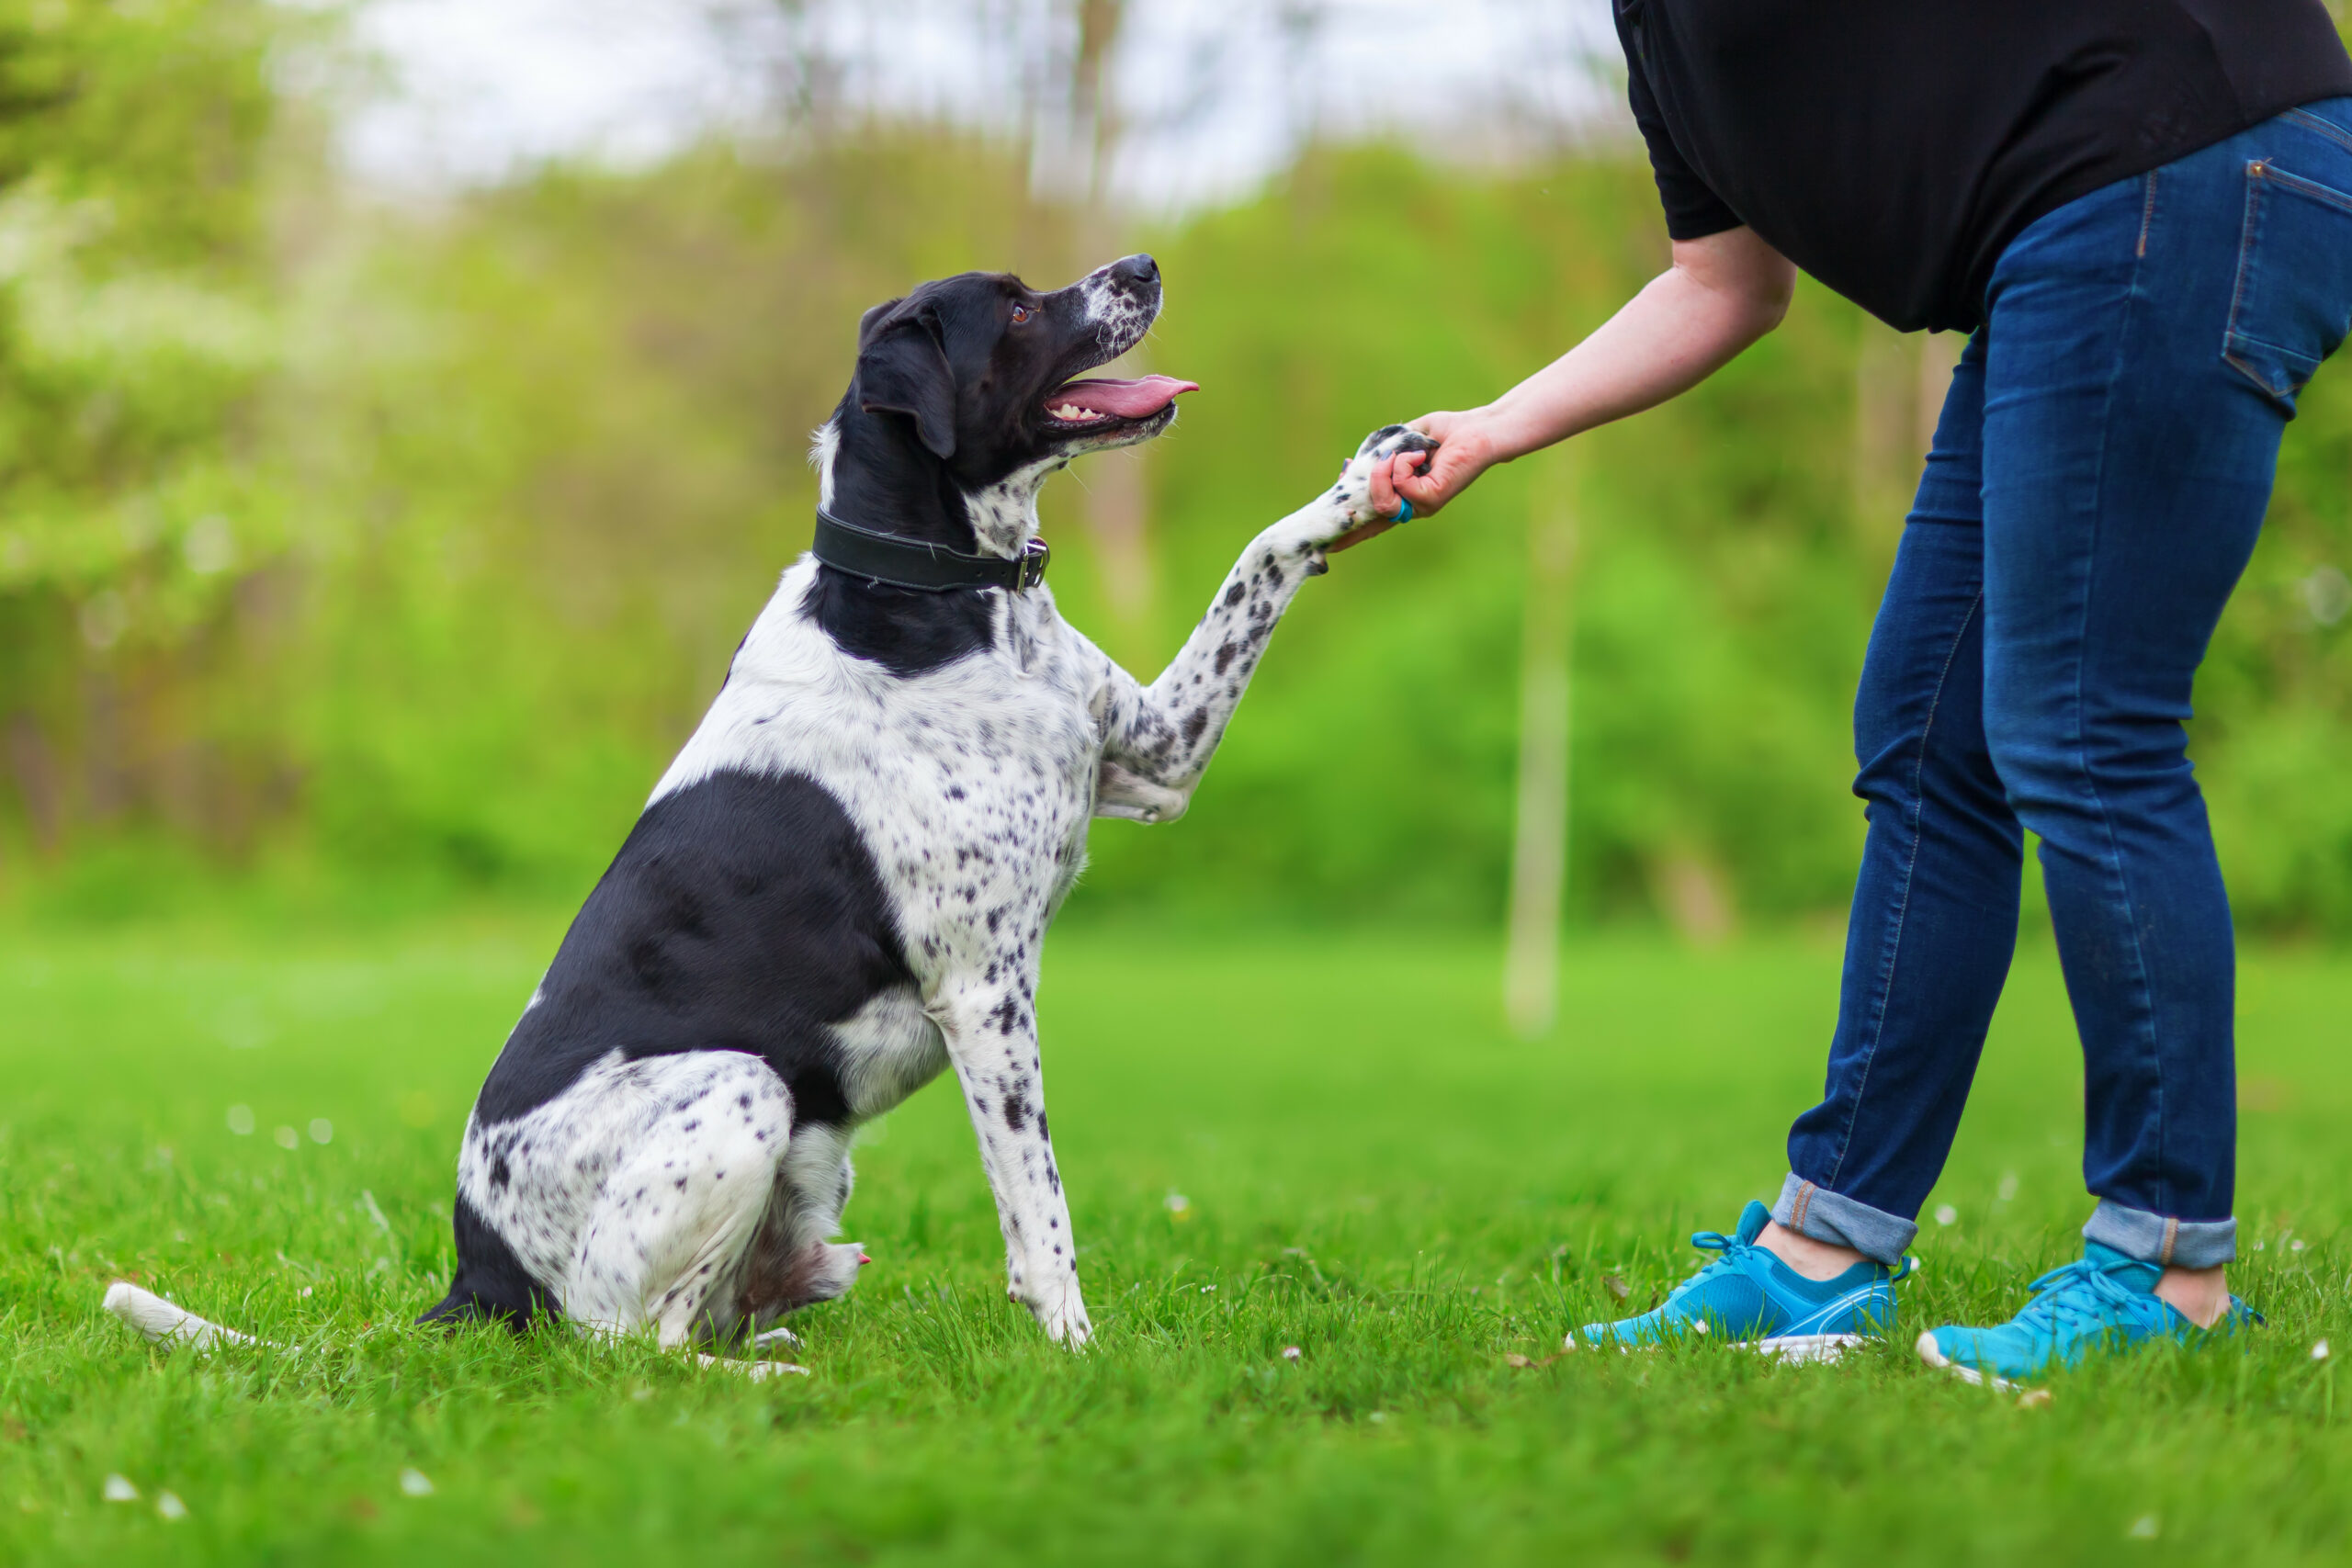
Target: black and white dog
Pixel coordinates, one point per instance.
(841, 884)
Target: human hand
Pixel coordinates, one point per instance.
(1467, 448)
(1368, 503)
(1381, 497)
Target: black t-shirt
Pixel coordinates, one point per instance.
(1892, 147)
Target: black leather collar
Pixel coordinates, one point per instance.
(911, 563)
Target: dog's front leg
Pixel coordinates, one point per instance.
(1158, 740)
(991, 1036)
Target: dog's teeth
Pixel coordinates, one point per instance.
(1069, 410)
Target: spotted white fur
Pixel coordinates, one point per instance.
(1120, 320)
(1004, 514)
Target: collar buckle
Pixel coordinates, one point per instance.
(1033, 557)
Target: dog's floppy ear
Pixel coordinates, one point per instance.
(866, 323)
(902, 368)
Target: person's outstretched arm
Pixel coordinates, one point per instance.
(1723, 293)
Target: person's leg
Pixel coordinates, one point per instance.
(1934, 912)
(1934, 924)
(2146, 344)
(2129, 462)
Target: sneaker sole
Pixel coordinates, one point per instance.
(1932, 1353)
(1795, 1348)
(1806, 1346)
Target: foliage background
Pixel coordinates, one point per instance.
(358, 552)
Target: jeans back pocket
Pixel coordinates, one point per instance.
(2293, 301)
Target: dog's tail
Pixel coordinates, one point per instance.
(164, 1324)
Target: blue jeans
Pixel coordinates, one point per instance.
(2097, 478)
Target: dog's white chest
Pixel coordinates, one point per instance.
(972, 785)
(983, 828)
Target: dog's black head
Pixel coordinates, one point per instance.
(971, 389)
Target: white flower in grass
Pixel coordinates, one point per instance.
(1178, 1205)
(240, 1120)
(2296, 1245)
(2008, 1188)
(1292, 1352)
(288, 1138)
(168, 1504)
(414, 1483)
(322, 1130)
(119, 1489)
(2143, 1527)
(2319, 1352)
(1946, 1214)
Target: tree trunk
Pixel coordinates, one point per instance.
(1539, 846)
(1115, 495)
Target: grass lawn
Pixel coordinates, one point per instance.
(1369, 1171)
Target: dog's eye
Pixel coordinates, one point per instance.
(1021, 314)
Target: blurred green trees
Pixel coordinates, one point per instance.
(401, 547)
(136, 341)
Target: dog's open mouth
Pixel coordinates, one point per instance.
(1079, 405)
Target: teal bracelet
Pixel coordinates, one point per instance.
(1404, 511)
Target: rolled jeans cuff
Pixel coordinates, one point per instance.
(1825, 1216)
(2168, 1243)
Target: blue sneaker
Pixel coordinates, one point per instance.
(2103, 1300)
(1748, 1297)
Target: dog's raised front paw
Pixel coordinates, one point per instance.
(1352, 497)
(1391, 439)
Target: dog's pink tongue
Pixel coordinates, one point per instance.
(1139, 399)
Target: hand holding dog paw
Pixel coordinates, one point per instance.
(1368, 493)
(1468, 444)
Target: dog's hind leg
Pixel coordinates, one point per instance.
(792, 1264)
(666, 1240)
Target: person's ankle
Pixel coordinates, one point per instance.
(1816, 1260)
(2201, 1295)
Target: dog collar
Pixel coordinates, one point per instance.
(931, 568)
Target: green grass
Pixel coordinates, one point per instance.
(1374, 1174)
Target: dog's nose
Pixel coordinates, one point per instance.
(1138, 271)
